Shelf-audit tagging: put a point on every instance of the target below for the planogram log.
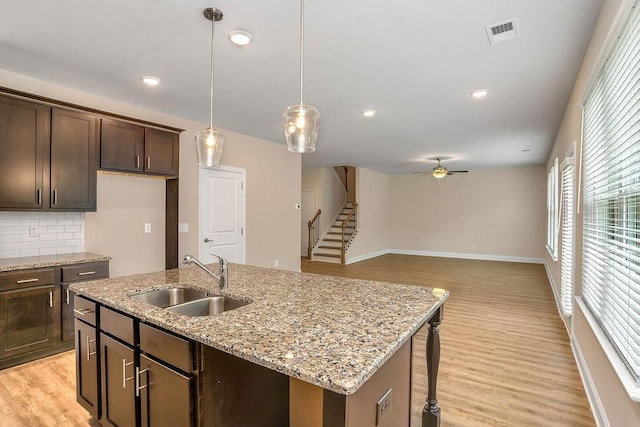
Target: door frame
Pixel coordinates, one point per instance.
(202, 170)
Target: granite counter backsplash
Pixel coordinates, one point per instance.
(329, 331)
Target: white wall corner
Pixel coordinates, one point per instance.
(595, 403)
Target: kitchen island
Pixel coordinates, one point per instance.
(330, 337)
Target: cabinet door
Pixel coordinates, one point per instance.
(160, 385)
(27, 320)
(24, 147)
(87, 379)
(161, 152)
(119, 403)
(73, 160)
(68, 326)
(121, 146)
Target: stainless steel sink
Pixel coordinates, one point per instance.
(169, 297)
(207, 306)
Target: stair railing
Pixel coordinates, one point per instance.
(345, 223)
(314, 232)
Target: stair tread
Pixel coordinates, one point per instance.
(332, 240)
(329, 247)
(327, 255)
(338, 232)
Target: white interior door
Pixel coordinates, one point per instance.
(309, 209)
(222, 214)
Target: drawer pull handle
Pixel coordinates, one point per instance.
(55, 197)
(86, 273)
(138, 386)
(148, 162)
(39, 196)
(66, 298)
(26, 281)
(124, 373)
(82, 311)
(89, 352)
(50, 298)
(138, 162)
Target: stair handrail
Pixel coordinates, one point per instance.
(343, 250)
(316, 232)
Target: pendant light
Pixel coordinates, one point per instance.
(301, 122)
(210, 142)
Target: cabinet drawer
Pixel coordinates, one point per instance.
(174, 350)
(118, 325)
(25, 278)
(81, 272)
(84, 310)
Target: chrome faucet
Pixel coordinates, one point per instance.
(223, 272)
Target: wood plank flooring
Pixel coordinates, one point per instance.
(506, 359)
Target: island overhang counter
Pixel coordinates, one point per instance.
(329, 332)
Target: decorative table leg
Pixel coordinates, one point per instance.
(431, 411)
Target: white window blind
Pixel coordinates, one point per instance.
(611, 232)
(552, 210)
(566, 275)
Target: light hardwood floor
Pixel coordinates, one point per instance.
(506, 359)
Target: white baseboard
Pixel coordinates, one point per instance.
(483, 257)
(351, 260)
(597, 409)
(556, 296)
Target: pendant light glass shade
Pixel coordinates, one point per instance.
(210, 145)
(301, 124)
(210, 142)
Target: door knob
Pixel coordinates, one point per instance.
(206, 240)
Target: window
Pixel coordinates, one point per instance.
(611, 222)
(566, 275)
(552, 210)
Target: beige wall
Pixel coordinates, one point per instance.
(493, 213)
(607, 394)
(372, 190)
(273, 189)
(121, 225)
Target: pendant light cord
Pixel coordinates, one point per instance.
(213, 26)
(301, 46)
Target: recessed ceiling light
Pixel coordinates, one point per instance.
(480, 93)
(150, 80)
(369, 113)
(241, 38)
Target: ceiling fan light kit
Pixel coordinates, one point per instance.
(209, 142)
(301, 122)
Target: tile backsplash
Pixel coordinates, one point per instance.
(25, 234)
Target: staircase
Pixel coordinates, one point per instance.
(329, 248)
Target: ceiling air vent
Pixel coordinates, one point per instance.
(503, 31)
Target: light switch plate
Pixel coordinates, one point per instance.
(183, 227)
(147, 227)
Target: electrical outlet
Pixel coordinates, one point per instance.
(383, 407)
(147, 227)
(183, 227)
(276, 264)
(33, 231)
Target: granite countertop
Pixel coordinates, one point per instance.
(329, 331)
(25, 263)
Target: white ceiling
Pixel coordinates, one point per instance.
(414, 61)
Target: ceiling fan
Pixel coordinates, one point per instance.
(440, 171)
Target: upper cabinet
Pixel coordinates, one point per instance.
(129, 147)
(24, 147)
(74, 136)
(47, 157)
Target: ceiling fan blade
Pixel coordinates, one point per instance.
(452, 172)
(422, 173)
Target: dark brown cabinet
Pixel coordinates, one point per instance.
(119, 404)
(27, 322)
(24, 153)
(121, 146)
(87, 365)
(73, 160)
(77, 273)
(133, 148)
(47, 157)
